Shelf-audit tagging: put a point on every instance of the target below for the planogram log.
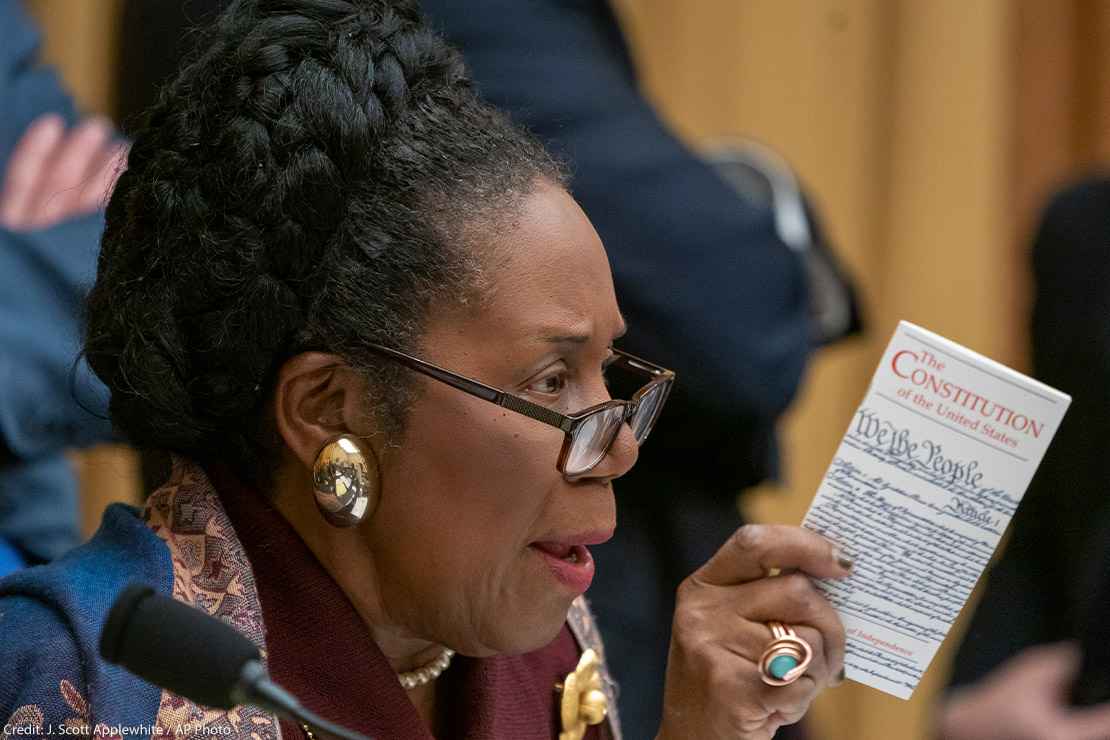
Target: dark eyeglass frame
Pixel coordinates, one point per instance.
(569, 424)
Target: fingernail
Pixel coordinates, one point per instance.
(843, 560)
(99, 124)
(49, 119)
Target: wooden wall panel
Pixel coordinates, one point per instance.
(108, 474)
(948, 260)
(1092, 102)
(1048, 82)
(81, 38)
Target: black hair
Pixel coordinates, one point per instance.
(304, 182)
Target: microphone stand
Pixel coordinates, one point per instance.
(255, 687)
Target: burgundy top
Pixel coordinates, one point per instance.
(320, 650)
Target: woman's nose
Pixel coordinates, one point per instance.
(619, 458)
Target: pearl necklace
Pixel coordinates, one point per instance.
(410, 679)
(428, 672)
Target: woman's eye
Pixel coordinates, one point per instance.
(550, 385)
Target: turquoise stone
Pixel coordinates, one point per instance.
(782, 665)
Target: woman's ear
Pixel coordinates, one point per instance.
(314, 398)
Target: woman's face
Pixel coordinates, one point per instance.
(477, 541)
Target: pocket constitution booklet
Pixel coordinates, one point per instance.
(924, 483)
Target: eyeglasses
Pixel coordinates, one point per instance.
(589, 433)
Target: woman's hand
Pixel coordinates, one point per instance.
(714, 689)
(1025, 699)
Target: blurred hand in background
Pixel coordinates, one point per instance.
(55, 174)
(1025, 698)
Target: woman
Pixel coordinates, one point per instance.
(325, 260)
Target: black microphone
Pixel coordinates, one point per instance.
(179, 648)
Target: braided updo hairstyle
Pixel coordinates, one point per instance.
(304, 183)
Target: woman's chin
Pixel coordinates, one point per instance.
(532, 631)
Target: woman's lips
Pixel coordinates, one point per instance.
(572, 565)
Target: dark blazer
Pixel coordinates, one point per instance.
(1042, 589)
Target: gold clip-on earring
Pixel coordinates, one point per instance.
(345, 481)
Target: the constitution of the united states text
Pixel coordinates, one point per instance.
(928, 475)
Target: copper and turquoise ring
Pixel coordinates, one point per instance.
(786, 658)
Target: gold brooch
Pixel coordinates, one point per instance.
(583, 702)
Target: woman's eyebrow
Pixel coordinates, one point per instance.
(566, 338)
(561, 336)
(572, 332)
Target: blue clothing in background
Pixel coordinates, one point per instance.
(11, 559)
(54, 671)
(39, 507)
(44, 276)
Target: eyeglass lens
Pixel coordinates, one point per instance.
(644, 418)
(593, 438)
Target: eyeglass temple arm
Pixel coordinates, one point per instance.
(481, 390)
(635, 363)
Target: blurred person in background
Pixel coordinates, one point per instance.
(1046, 599)
(56, 174)
(707, 281)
